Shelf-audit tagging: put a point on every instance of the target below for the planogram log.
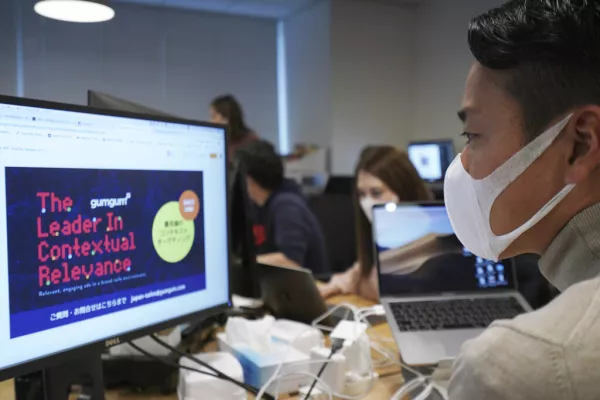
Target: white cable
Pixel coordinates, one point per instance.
(297, 364)
(308, 374)
(411, 385)
(360, 316)
(355, 312)
(357, 318)
(387, 357)
(263, 389)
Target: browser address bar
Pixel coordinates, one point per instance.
(49, 128)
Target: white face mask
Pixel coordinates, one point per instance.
(469, 201)
(367, 204)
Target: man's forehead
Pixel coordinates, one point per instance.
(484, 93)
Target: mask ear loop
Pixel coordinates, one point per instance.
(519, 162)
(412, 385)
(522, 159)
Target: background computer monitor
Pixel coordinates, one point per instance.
(431, 158)
(105, 101)
(112, 226)
(339, 185)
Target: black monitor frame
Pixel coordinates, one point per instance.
(99, 346)
(245, 272)
(103, 101)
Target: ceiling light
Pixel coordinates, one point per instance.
(75, 10)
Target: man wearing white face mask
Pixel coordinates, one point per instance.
(528, 182)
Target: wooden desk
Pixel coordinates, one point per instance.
(389, 381)
(384, 389)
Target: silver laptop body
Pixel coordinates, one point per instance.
(427, 280)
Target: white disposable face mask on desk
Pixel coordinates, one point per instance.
(469, 201)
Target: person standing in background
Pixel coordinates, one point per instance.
(384, 174)
(228, 111)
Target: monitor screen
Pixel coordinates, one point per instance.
(107, 225)
(431, 159)
(418, 253)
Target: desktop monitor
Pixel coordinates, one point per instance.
(112, 226)
(431, 159)
(244, 279)
(105, 101)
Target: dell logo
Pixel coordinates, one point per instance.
(112, 342)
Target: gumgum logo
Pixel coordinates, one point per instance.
(110, 203)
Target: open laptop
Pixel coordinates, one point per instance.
(292, 293)
(436, 294)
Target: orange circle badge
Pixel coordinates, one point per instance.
(189, 205)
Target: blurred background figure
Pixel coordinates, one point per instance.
(383, 174)
(227, 110)
(286, 232)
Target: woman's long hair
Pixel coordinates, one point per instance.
(231, 109)
(394, 169)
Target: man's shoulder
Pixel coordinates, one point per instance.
(499, 362)
(503, 363)
(288, 200)
(560, 320)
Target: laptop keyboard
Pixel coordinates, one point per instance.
(453, 314)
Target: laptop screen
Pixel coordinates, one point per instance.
(417, 252)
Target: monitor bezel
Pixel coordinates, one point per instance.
(143, 109)
(96, 347)
(508, 261)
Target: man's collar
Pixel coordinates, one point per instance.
(574, 255)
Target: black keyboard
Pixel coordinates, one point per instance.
(453, 314)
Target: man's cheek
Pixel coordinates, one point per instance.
(484, 160)
(478, 165)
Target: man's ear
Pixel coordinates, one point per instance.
(585, 151)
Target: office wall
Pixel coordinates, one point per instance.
(372, 70)
(8, 70)
(173, 60)
(442, 61)
(308, 59)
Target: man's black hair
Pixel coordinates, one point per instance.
(260, 161)
(549, 52)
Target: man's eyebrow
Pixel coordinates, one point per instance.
(462, 115)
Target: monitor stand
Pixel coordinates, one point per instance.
(245, 280)
(80, 378)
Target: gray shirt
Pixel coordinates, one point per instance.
(554, 352)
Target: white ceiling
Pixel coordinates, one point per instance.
(258, 8)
